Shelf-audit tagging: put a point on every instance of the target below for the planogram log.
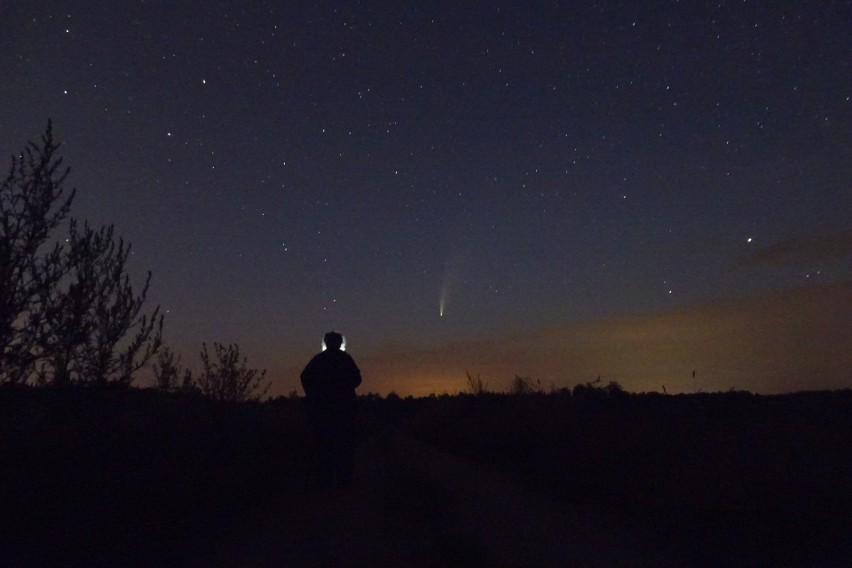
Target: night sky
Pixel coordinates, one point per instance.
(562, 192)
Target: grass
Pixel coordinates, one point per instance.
(92, 475)
(715, 475)
(97, 472)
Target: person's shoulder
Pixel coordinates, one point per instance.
(318, 358)
(346, 356)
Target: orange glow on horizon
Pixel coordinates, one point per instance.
(782, 342)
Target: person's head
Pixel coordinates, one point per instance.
(333, 340)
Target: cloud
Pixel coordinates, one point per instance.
(800, 251)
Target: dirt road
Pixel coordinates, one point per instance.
(412, 505)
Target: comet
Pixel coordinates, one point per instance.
(442, 302)
(453, 264)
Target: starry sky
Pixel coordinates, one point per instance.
(556, 190)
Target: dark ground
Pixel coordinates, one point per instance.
(116, 477)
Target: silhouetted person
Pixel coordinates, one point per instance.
(329, 381)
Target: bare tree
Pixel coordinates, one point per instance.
(228, 377)
(33, 203)
(67, 309)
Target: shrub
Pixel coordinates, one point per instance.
(475, 385)
(525, 385)
(228, 377)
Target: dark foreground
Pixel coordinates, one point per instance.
(114, 477)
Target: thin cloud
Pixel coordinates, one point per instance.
(800, 251)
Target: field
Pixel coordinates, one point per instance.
(130, 477)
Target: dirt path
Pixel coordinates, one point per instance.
(506, 525)
(412, 505)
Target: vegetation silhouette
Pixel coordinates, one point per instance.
(228, 377)
(169, 374)
(100, 472)
(701, 478)
(475, 385)
(68, 312)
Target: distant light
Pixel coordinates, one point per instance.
(748, 240)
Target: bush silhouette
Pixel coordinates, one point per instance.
(169, 375)
(227, 377)
(525, 385)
